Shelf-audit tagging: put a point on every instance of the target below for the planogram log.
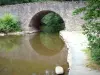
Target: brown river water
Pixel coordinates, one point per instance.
(39, 54)
(33, 54)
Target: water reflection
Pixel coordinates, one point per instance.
(35, 55)
(47, 44)
(9, 43)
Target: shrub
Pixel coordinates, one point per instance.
(52, 23)
(8, 23)
(92, 27)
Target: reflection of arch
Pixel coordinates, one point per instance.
(36, 19)
(37, 43)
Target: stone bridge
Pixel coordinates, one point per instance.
(30, 14)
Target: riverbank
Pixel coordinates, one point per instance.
(77, 42)
(90, 63)
(18, 33)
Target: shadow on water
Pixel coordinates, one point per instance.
(37, 54)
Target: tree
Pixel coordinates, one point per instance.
(52, 23)
(91, 15)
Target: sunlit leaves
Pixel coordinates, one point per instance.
(8, 23)
(91, 27)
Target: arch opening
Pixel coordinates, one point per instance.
(36, 23)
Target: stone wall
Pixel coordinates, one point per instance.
(25, 12)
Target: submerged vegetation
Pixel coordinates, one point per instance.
(92, 27)
(8, 23)
(52, 23)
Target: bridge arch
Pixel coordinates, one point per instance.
(25, 13)
(35, 21)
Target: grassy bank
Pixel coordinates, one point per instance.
(90, 63)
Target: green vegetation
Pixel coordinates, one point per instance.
(90, 63)
(6, 2)
(52, 23)
(92, 27)
(8, 23)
